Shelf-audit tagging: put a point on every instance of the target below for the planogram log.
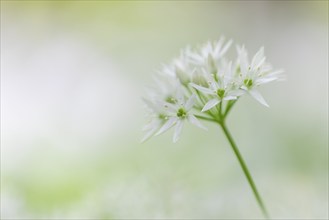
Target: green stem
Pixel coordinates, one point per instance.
(220, 109)
(229, 106)
(206, 118)
(245, 170)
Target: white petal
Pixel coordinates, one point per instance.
(265, 80)
(211, 63)
(275, 73)
(171, 121)
(151, 125)
(149, 134)
(258, 59)
(202, 89)
(238, 92)
(243, 59)
(210, 104)
(218, 46)
(228, 72)
(256, 95)
(195, 58)
(210, 80)
(151, 105)
(219, 84)
(178, 130)
(195, 121)
(260, 63)
(213, 85)
(230, 97)
(167, 107)
(151, 128)
(225, 48)
(179, 94)
(190, 102)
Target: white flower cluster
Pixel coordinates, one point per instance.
(202, 83)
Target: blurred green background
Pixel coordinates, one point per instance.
(72, 78)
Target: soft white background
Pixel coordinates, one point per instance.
(72, 77)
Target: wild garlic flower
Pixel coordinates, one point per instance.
(173, 111)
(256, 73)
(209, 54)
(202, 83)
(158, 116)
(178, 112)
(221, 88)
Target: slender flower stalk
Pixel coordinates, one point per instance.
(245, 170)
(202, 84)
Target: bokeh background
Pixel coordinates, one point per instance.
(72, 78)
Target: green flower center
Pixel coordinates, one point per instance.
(181, 113)
(171, 100)
(163, 117)
(221, 92)
(248, 82)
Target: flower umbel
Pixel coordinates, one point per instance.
(203, 84)
(206, 78)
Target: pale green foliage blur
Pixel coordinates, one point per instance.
(72, 74)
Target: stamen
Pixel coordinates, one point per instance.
(181, 113)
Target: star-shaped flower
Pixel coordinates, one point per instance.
(158, 117)
(199, 80)
(211, 51)
(221, 88)
(178, 113)
(256, 73)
